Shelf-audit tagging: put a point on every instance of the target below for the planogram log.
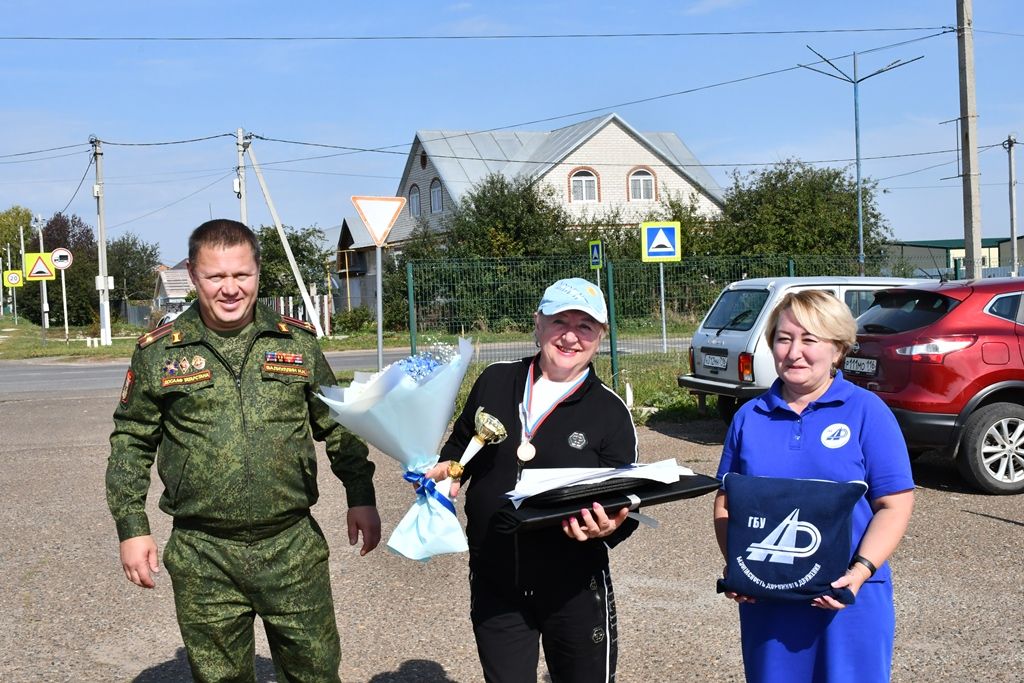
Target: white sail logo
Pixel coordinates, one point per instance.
(780, 545)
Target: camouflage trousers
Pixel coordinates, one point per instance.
(221, 585)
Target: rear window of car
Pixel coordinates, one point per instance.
(899, 311)
(736, 309)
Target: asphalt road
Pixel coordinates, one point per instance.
(67, 613)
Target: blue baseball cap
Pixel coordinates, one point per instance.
(574, 294)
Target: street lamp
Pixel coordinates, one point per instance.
(44, 303)
(855, 80)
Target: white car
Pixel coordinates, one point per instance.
(729, 357)
(170, 316)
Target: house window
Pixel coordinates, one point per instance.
(435, 196)
(414, 201)
(641, 186)
(584, 186)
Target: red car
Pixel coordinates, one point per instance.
(948, 359)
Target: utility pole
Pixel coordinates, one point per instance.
(856, 80)
(969, 137)
(102, 281)
(241, 144)
(13, 290)
(1008, 146)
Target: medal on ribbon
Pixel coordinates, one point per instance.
(526, 451)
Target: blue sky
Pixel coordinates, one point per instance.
(377, 93)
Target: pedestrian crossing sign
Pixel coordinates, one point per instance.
(660, 241)
(39, 266)
(596, 255)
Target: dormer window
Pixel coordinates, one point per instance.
(584, 186)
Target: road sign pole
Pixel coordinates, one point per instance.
(380, 316)
(64, 301)
(664, 337)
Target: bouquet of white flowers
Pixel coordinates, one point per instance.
(404, 411)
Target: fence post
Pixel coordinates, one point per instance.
(613, 336)
(412, 307)
(791, 267)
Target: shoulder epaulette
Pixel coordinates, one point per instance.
(295, 322)
(151, 336)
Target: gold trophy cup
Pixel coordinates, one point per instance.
(488, 430)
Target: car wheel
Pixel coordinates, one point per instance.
(727, 407)
(992, 451)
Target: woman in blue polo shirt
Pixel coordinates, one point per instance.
(781, 434)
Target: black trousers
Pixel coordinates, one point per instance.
(575, 623)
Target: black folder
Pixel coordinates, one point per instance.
(551, 507)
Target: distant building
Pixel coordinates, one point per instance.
(948, 254)
(172, 287)
(355, 260)
(595, 167)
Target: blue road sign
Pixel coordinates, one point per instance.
(596, 255)
(660, 241)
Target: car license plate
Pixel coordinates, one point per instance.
(716, 362)
(861, 366)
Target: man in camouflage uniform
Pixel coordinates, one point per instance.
(223, 399)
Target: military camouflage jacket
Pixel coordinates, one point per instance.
(234, 452)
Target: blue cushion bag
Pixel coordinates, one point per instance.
(788, 539)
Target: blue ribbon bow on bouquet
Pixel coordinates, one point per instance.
(404, 411)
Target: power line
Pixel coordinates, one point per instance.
(172, 142)
(87, 167)
(176, 201)
(43, 151)
(462, 37)
(28, 161)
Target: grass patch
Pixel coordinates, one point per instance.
(26, 340)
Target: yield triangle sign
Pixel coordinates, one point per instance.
(379, 214)
(39, 269)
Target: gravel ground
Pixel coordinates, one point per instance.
(69, 615)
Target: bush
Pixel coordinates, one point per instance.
(352, 321)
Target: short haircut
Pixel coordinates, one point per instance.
(821, 314)
(223, 233)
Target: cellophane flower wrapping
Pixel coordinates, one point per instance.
(404, 411)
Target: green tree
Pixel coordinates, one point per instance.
(74, 234)
(307, 245)
(132, 262)
(507, 217)
(10, 221)
(795, 208)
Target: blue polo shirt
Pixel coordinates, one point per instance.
(848, 434)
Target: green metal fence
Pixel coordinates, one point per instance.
(494, 298)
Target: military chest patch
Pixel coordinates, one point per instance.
(282, 369)
(198, 362)
(184, 380)
(578, 440)
(126, 389)
(282, 357)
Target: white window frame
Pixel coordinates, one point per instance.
(588, 186)
(646, 181)
(435, 196)
(414, 201)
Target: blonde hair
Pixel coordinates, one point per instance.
(821, 314)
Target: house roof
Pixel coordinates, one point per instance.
(354, 234)
(463, 158)
(986, 242)
(175, 283)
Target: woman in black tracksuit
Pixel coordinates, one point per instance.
(550, 585)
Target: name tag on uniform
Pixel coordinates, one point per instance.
(184, 380)
(289, 370)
